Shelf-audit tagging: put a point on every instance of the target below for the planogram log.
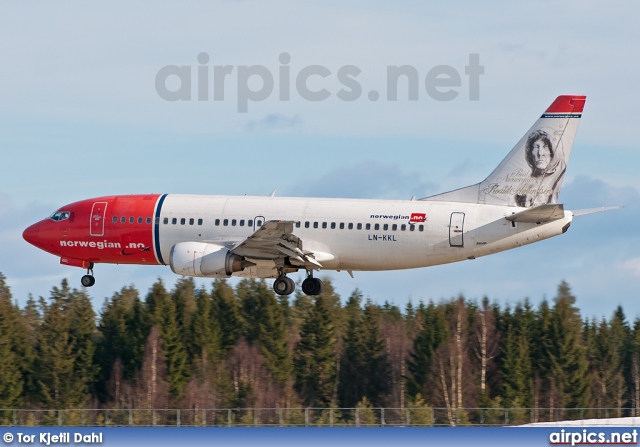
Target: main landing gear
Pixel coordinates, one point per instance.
(88, 280)
(284, 285)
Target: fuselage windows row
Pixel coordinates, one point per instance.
(183, 221)
(307, 224)
(236, 222)
(132, 219)
(359, 226)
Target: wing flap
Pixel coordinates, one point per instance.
(275, 240)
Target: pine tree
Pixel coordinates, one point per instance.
(516, 368)
(163, 315)
(56, 354)
(205, 346)
(82, 330)
(432, 333)
(226, 309)
(315, 357)
(365, 369)
(185, 301)
(605, 364)
(16, 351)
(11, 380)
(567, 352)
(123, 331)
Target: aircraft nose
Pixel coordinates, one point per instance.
(32, 234)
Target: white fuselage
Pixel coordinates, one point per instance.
(353, 234)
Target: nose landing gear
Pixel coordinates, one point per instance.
(88, 280)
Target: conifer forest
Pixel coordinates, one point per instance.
(245, 347)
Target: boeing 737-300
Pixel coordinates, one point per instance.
(270, 237)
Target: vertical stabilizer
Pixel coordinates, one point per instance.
(533, 172)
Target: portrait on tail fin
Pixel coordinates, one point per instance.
(545, 158)
(532, 172)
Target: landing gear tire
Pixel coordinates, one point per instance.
(88, 281)
(312, 286)
(284, 286)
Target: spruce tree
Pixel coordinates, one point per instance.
(315, 357)
(56, 354)
(567, 353)
(226, 309)
(433, 331)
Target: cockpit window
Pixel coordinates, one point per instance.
(60, 215)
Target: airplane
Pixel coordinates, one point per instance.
(271, 237)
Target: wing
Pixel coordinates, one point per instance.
(275, 241)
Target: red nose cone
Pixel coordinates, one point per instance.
(32, 234)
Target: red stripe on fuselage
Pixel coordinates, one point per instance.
(128, 242)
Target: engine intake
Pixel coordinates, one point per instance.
(205, 260)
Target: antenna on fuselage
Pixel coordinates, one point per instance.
(273, 193)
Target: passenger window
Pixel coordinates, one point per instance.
(217, 222)
(359, 226)
(412, 228)
(324, 225)
(333, 225)
(242, 222)
(174, 220)
(140, 220)
(376, 227)
(225, 222)
(421, 228)
(148, 220)
(297, 224)
(259, 222)
(315, 225)
(367, 226)
(199, 221)
(306, 224)
(403, 227)
(132, 219)
(342, 225)
(233, 222)
(166, 220)
(183, 221)
(394, 227)
(350, 226)
(115, 219)
(385, 227)
(191, 221)
(250, 223)
(123, 219)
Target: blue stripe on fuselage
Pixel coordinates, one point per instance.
(157, 232)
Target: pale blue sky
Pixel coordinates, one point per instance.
(80, 117)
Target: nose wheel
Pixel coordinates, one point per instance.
(88, 280)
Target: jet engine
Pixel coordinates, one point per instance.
(208, 260)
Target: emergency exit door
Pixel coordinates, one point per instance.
(456, 230)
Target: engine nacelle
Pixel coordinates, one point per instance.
(208, 260)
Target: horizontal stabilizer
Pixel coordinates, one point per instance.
(594, 210)
(541, 213)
